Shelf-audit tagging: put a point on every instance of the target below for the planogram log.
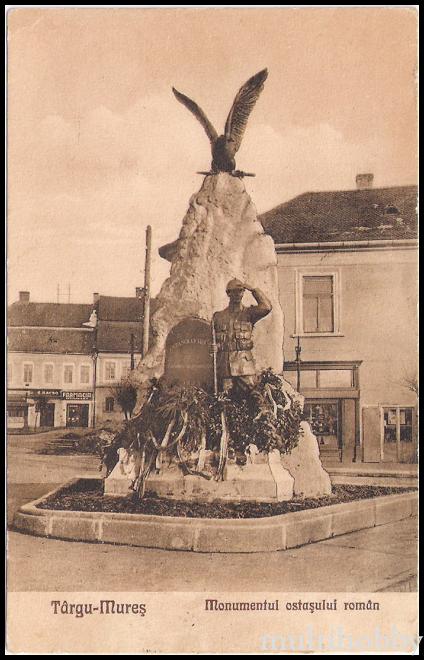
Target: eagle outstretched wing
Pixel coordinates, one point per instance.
(243, 106)
(198, 113)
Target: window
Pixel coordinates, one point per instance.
(16, 412)
(110, 404)
(390, 423)
(405, 423)
(318, 309)
(28, 373)
(317, 303)
(323, 376)
(48, 373)
(323, 417)
(397, 423)
(68, 374)
(126, 369)
(84, 374)
(110, 370)
(308, 378)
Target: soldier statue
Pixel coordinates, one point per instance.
(233, 329)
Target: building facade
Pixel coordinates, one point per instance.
(65, 359)
(347, 263)
(118, 335)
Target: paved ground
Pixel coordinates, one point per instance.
(366, 474)
(371, 560)
(382, 558)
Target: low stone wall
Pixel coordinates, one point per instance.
(281, 532)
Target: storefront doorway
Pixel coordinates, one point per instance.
(398, 441)
(324, 418)
(331, 391)
(77, 415)
(47, 415)
(17, 416)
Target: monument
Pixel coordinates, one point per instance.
(216, 420)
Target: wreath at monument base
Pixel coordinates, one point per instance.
(200, 431)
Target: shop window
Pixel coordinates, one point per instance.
(110, 370)
(405, 424)
(48, 373)
(397, 424)
(324, 379)
(324, 420)
(308, 378)
(28, 373)
(84, 374)
(68, 374)
(109, 404)
(16, 412)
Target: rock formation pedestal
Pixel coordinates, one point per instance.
(221, 239)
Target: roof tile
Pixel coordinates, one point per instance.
(346, 215)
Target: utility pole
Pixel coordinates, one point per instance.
(146, 306)
(132, 351)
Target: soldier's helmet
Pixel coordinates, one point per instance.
(234, 285)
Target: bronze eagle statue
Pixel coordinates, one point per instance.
(224, 147)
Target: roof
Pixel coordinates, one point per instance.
(115, 337)
(60, 315)
(58, 328)
(114, 308)
(50, 340)
(345, 215)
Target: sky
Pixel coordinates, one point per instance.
(98, 146)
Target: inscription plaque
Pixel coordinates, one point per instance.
(188, 356)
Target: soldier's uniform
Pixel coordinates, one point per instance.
(233, 332)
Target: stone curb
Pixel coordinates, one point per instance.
(289, 530)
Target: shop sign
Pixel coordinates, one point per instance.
(52, 394)
(77, 396)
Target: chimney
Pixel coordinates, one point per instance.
(364, 181)
(96, 297)
(139, 292)
(24, 296)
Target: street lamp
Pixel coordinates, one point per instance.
(94, 356)
(298, 360)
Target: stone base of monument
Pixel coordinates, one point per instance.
(117, 482)
(304, 464)
(270, 478)
(262, 482)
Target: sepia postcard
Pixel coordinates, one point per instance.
(212, 332)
